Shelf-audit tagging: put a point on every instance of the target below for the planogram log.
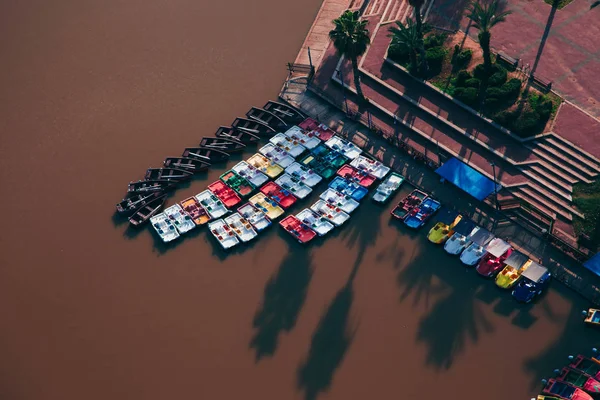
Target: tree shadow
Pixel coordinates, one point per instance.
(364, 229)
(284, 296)
(329, 344)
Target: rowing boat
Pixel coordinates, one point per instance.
(306, 139)
(263, 164)
(146, 212)
(237, 183)
(192, 206)
(282, 196)
(226, 194)
(289, 145)
(253, 126)
(267, 117)
(320, 225)
(256, 217)
(223, 233)
(337, 199)
(330, 212)
(267, 205)
(302, 232)
(212, 204)
(133, 202)
(348, 188)
(153, 186)
(294, 185)
(175, 174)
(187, 164)
(306, 175)
(370, 166)
(286, 112)
(205, 154)
(276, 155)
(228, 132)
(183, 222)
(218, 143)
(165, 228)
(250, 173)
(353, 174)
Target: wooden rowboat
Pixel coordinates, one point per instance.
(134, 202)
(160, 185)
(227, 132)
(187, 164)
(205, 154)
(222, 144)
(146, 212)
(286, 112)
(167, 173)
(253, 126)
(266, 117)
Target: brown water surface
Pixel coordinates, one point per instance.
(95, 92)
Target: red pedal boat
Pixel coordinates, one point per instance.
(284, 198)
(226, 194)
(361, 177)
(406, 205)
(302, 232)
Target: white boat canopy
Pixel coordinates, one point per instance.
(516, 259)
(497, 247)
(535, 272)
(482, 237)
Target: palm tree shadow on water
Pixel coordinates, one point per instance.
(329, 344)
(284, 296)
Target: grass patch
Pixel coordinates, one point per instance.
(561, 3)
(586, 197)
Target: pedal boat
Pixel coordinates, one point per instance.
(250, 173)
(212, 204)
(497, 252)
(361, 177)
(223, 233)
(289, 145)
(533, 282)
(164, 227)
(388, 188)
(420, 215)
(370, 166)
(514, 266)
(302, 232)
(277, 155)
(348, 188)
(407, 204)
(306, 175)
(463, 232)
(477, 248)
(242, 228)
(320, 225)
(282, 196)
(182, 221)
(194, 209)
(294, 185)
(264, 165)
(226, 194)
(337, 199)
(444, 227)
(330, 212)
(238, 183)
(256, 217)
(267, 205)
(307, 139)
(348, 149)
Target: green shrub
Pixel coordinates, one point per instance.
(461, 78)
(466, 95)
(399, 53)
(499, 77)
(512, 89)
(435, 59)
(528, 123)
(473, 82)
(479, 72)
(434, 40)
(463, 58)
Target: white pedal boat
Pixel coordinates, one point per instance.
(256, 217)
(318, 224)
(337, 199)
(182, 221)
(252, 174)
(308, 140)
(332, 213)
(306, 175)
(164, 227)
(373, 167)
(223, 233)
(294, 185)
(242, 228)
(264, 165)
(293, 147)
(211, 203)
(276, 155)
(350, 150)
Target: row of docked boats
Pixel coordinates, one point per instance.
(476, 247)
(145, 198)
(579, 380)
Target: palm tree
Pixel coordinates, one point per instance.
(595, 4)
(484, 18)
(417, 5)
(407, 37)
(351, 39)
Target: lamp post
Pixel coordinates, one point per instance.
(495, 185)
(341, 72)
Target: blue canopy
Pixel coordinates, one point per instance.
(467, 179)
(593, 264)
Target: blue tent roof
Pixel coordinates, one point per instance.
(593, 264)
(467, 179)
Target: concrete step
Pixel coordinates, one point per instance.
(573, 151)
(561, 170)
(548, 199)
(585, 166)
(543, 206)
(564, 163)
(557, 186)
(555, 175)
